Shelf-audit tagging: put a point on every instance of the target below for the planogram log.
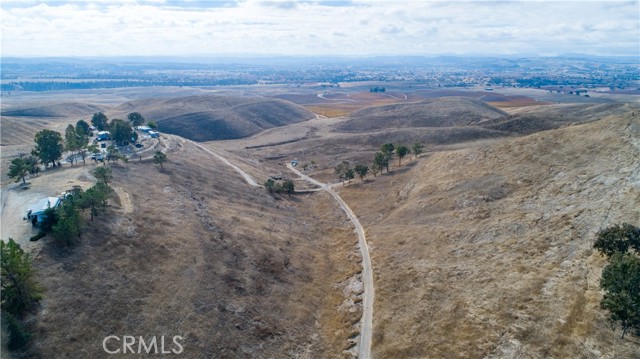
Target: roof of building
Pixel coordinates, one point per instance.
(44, 204)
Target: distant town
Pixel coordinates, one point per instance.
(615, 74)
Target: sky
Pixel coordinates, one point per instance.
(318, 28)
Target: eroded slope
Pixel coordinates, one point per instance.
(486, 252)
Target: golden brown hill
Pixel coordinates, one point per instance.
(67, 109)
(440, 112)
(208, 118)
(486, 252)
(194, 251)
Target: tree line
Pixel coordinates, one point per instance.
(381, 161)
(287, 186)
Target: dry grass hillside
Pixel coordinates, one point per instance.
(67, 109)
(192, 250)
(441, 112)
(531, 119)
(208, 118)
(487, 252)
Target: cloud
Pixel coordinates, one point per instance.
(171, 27)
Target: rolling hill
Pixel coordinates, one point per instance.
(208, 118)
(233, 270)
(486, 252)
(533, 119)
(67, 109)
(441, 112)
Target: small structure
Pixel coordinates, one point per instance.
(36, 213)
(144, 128)
(154, 134)
(103, 136)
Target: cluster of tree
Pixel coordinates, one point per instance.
(50, 145)
(65, 222)
(286, 186)
(121, 130)
(19, 291)
(377, 89)
(345, 172)
(621, 276)
(381, 161)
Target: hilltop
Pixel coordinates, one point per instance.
(531, 119)
(440, 112)
(208, 118)
(67, 109)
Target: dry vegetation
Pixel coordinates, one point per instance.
(482, 248)
(208, 118)
(194, 251)
(486, 252)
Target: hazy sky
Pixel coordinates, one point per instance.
(356, 27)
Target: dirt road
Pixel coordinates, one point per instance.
(366, 323)
(364, 346)
(244, 175)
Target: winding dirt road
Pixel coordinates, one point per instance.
(366, 322)
(246, 177)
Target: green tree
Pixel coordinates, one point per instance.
(19, 169)
(387, 149)
(341, 170)
(72, 142)
(68, 226)
(48, 146)
(100, 121)
(375, 168)
(288, 186)
(159, 158)
(95, 199)
(401, 151)
(82, 127)
(618, 239)
(33, 165)
(135, 118)
(361, 170)
(50, 219)
(349, 174)
(152, 125)
(19, 288)
(270, 185)
(621, 283)
(120, 131)
(17, 335)
(417, 148)
(381, 160)
(103, 174)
